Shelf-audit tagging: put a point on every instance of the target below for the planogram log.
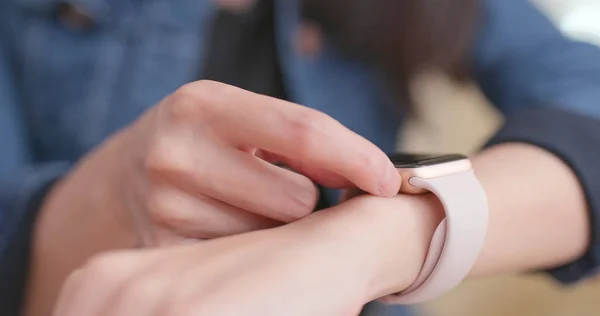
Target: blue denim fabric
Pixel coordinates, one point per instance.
(63, 89)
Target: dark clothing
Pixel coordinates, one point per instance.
(243, 50)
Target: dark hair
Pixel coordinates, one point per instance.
(402, 37)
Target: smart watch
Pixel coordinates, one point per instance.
(458, 239)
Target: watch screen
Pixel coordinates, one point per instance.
(422, 160)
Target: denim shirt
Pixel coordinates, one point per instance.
(63, 89)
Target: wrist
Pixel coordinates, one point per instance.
(85, 208)
(81, 216)
(386, 239)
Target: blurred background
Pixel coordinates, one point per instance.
(451, 118)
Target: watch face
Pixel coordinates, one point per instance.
(422, 160)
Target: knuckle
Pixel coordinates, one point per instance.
(213, 88)
(157, 157)
(165, 211)
(193, 102)
(167, 154)
(184, 105)
(305, 129)
(109, 267)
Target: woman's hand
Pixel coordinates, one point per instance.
(191, 168)
(328, 264)
(198, 165)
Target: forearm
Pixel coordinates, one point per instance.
(538, 211)
(538, 219)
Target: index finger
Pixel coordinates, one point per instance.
(300, 133)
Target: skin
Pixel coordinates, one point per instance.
(189, 169)
(328, 263)
(363, 249)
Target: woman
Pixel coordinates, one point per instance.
(195, 165)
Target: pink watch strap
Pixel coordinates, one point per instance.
(457, 241)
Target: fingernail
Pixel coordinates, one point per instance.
(391, 182)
